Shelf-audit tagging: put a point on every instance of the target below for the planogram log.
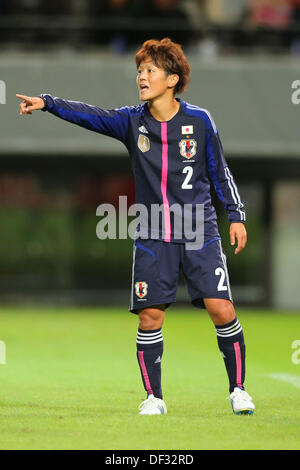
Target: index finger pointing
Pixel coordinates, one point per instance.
(22, 97)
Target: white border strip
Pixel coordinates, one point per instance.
(132, 278)
(287, 378)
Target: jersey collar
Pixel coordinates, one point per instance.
(171, 121)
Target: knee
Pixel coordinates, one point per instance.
(151, 318)
(221, 311)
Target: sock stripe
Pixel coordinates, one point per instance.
(149, 335)
(237, 323)
(231, 333)
(149, 338)
(144, 372)
(229, 330)
(238, 361)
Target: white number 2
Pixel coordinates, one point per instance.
(189, 170)
(220, 272)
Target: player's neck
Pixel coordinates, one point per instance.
(163, 108)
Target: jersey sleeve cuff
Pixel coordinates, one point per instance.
(237, 221)
(45, 98)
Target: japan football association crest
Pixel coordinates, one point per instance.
(187, 148)
(141, 289)
(143, 143)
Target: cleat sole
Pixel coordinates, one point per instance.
(244, 412)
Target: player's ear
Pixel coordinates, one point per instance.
(173, 79)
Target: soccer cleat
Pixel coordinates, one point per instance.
(241, 402)
(153, 406)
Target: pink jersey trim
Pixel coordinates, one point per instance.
(144, 372)
(164, 178)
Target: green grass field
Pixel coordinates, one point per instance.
(71, 381)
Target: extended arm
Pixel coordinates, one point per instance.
(110, 122)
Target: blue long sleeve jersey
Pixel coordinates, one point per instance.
(173, 162)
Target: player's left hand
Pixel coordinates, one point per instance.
(238, 232)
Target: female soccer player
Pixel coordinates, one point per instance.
(175, 152)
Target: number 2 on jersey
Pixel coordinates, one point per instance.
(189, 171)
(220, 272)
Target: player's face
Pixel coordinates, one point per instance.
(152, 81)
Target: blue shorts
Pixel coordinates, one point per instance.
(156, 267)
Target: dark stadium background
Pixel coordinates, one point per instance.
(245, 55)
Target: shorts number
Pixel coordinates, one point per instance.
(189, 170)
(220, 272)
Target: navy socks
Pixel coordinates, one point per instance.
(149, 353)
(232, 346)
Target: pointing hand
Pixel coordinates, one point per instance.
(30, 103)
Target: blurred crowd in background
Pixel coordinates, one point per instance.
(121, 25)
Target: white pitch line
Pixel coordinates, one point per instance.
(287, 378)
